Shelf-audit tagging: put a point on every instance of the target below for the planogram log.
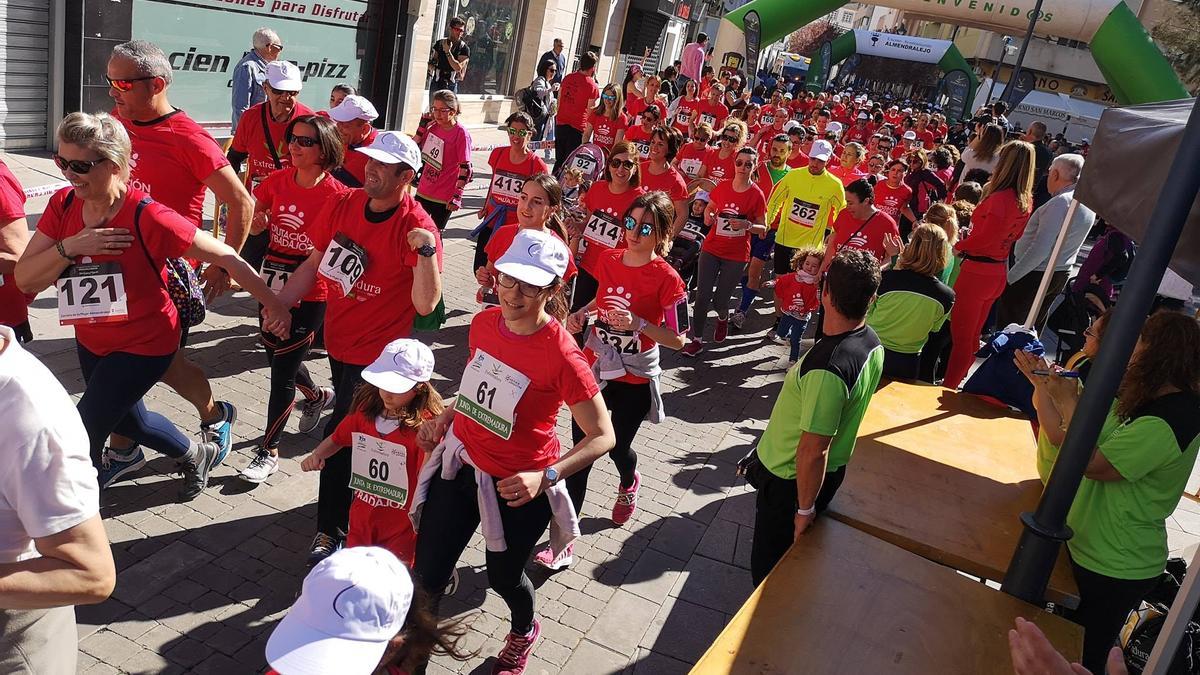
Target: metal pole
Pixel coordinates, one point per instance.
(996, 72)
(1046, 529)
(1177, 622)
(1033, 19)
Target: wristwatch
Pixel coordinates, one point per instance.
(426, 251)
(551, 475)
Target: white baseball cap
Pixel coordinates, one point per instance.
(837, 97)
(393, 147)
(910, 135)
(353, 107)
(821, 150)
(284, 76)
(534, 257)
(352, 604)
(402, 364)
(835, 127)
(792, 124)
(863, 116)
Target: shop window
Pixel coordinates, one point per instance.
(492, 33)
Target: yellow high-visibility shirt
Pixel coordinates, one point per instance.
(808, 203)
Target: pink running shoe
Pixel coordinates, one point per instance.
(515, 655)
(563, 560)
(626, 504)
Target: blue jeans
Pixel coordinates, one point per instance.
(792, 329)
(112, 402)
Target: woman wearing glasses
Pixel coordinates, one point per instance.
(736, 209)
(495, 457)
(104, 245)
(603, 205)
(639, 134)
(446, 154)
(718, 164)
(606, 122)
(690, 159)
(511, 166)
(658, 174)
(286, 205)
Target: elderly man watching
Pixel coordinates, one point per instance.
(1032, 251)
(251, 72)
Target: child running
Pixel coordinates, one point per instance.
(798, 297)
(381, 430)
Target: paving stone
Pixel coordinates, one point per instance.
(653, 576)
(590, 657)
(623, 622)
(153, 574)
(147, 662)
(677, 537)
(683, 630)
(713, 584)
(655, 663)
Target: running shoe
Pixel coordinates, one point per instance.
(261, 467)
(115, 465)
(778, 339)
(563, 560)
(310, 411)
(195, 469)
(517, 648)
(626, 504)
(738, 319)
(452, 585)
(693, 348)
(323, 546)
(722, 331)
(221, 432)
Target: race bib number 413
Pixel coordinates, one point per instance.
(344, 262)
(92, 293)
(379, 467)
(489, 393)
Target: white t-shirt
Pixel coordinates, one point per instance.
(971, 161)
(47, 481)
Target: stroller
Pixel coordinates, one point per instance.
(589, 159)
(685, 249)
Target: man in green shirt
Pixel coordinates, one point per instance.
(803, 453)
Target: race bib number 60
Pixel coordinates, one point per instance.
(379, 467)
(344, 262)
(489, 393)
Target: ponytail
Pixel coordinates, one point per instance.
(557, 305)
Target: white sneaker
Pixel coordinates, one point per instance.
(260, 468)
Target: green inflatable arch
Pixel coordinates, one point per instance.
(1134, 68)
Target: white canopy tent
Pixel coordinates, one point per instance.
(1073, 117)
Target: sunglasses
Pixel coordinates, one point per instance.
(445, 111)
(527, 290)
(730, 139)
(276, 47)
(302, 141)
(627, 164)
(608, 97)
(744, 164)
(127, 83)
(633, 225)
(79, 166)
(519, 133)
(285, 92)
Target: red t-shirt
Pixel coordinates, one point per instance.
(607, 210)
(558, 373)
(670, 181)
(252, 139)
(722, 241)
(649, 292)
(849, 232)
(379, 308)
(847, 176)
(640, 138)
(796, 298)
(635, 106)
(172, 157)
(355, 163)
(293, 210)
(890, 199)
(719, 169)
(996, 224)
(574, 94)
(712, 113)
(503, 237)
(604, 130)
(766, 116)
(14, 305)
(508, 177)
(927, 138)
(799, 160)
(690, 158)
(152, 326)
(683, 115)
(357, 422)
(857, 135)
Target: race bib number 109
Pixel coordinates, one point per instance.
(344, 262)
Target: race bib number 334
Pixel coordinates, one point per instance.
(489, 393)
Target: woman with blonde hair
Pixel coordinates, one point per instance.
(607, 121)
(997, 223)
(718, 163)
(911, 302)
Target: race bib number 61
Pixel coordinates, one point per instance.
(489, 393)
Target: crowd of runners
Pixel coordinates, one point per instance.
(860, 237)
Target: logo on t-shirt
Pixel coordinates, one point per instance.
(134, 180)
(286, 229)
(615, 298)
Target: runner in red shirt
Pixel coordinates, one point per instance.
(353, 116)
(606, 123)
(736, 209)
(718, 164)
(690, 159)
(685, 109)
(711, 111)
(288, 203)
(379, 254)
(603, 205)
(639, 134)
(893, 194)
(636, 105)
(658, 174)
(849, 167)
(797, 138)
(110, 272)
(861, 131)
(576, 95)
(762, 140)
(14, 234)
(539, 209)
(862, 226)
(511, 166)
(508, 439)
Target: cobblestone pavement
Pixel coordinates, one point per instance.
(201, 584)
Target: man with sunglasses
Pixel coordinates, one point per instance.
(448, 58)
(251, 72)
(173, 160)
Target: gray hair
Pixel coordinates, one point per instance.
(146, 57)
(1070, 165)
(101, 133)
(263, 37)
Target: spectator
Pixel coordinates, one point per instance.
(53, 549)
(693, 57)
(1036, 136)
(448, 58)
(801, 458)
(554, 55)
(576, 96)
(998, 110)
(14, 234)
(541, 90)
(250, 73)
(1107, 264)
(1032, 654)
(1032, 251)
(983, 152)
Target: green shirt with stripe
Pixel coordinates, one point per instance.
(825, 393)
(907, 308)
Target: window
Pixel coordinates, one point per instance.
(848, 17)
(492, 33)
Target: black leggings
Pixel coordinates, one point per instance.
(286, 359)
(448, 519)
(585, 289)
(437, 211)
(900, 366)
(481, 242)
(1104, 604)
(334, 494)
(775, 516)
(628, 404)
(935, 355)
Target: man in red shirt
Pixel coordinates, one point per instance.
(173, 160)
(860, 132)
(576, 96)
(354, 116)
(14, 235)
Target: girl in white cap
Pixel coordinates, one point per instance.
(381, 432)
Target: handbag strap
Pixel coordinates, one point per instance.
(137, 227)
(267, 133)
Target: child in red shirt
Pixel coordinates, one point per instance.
(798, 297)
(381, 433)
